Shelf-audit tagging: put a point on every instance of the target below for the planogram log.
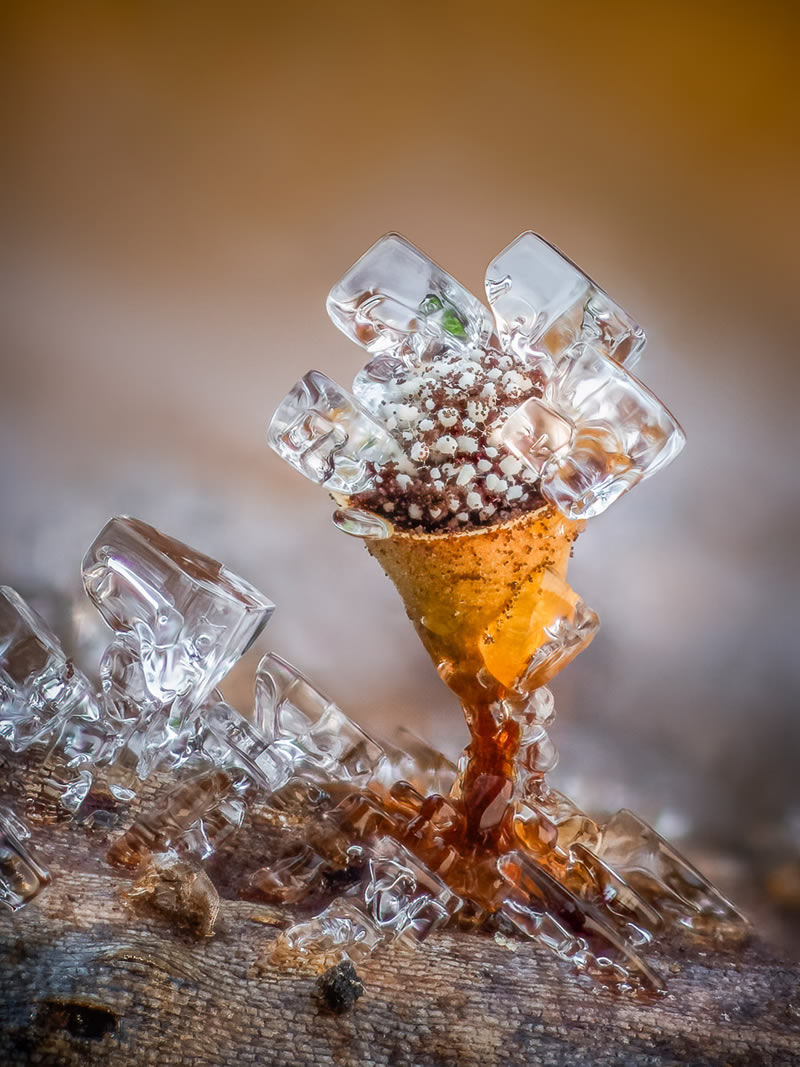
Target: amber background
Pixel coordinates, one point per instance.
(182, 183)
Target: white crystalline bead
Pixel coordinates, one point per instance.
(543, 304)
(398, 302)
(190, 617)
(325, 433)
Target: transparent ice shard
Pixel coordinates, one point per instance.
(360, 523)
(400, 305)
(295, 714)
(411, 759)
(575, 930)
(342, 929)
(324, 433)
(622, 434)
(40, 688)
(543, 304)
(537, 434)
(269, 765)
(22, 876)
(191, 617)
(658, 871)
(635, 918)
(404, 898)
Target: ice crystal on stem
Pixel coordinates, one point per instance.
(470, 452)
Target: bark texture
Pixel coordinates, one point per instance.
(90, 979)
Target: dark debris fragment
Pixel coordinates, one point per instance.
(340, 987)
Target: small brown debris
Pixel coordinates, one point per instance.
(180, 891)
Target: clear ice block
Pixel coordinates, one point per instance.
(543, 304)
(40, 688)
(342, 929)
(324, 433)
(577, 931)
(22, 876)
(270, 766)
(404, 898)
(658, 871)
(294, 714)
(191, 617)
(622, 434)
(399, 305)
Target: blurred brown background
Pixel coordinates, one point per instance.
(181, 184)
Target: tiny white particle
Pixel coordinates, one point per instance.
(414, 511)
(407, 413)
(463, 516)
(510, 465)
(490, 452)
(434, 512)
(435, 472)
(466, 381)
(467, 424)
(426, 425)
(488, 511)
(514, 493)
(494, 374)
(467, 444)
(448, 469)
(477, 411)
(430, 405)
(489, 391)
(448, 416)
(403, 481)
(505, 362)
(453, 503)
(484, 465)
(408, 435)
(419, 451)
(446, 445)
(437, 484)
(492, 482)
(391, 423)
(388, 506)
(466, 474)
(474, 500)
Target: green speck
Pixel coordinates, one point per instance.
(430, 304)
(453, 323)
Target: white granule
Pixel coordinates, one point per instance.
(488, 511)
(512, 379)
(467, 444)
(453, 503)
(495, 484)
(462, 516)
(448, 416)
(484, 465)
(514, 493)
(408, 435)
(426, 425)
(420, 451)
(403, 481)
(474, 354)
(438, 485)
(490, 392)
(388, 506)
(411, 386)
(510, 466)
(474, 500)
(407, 413)
(435, 473)
(391, 423)
(490, 452)
(446, 444)
(477, 411)
(414, 511)
(505, 362)
(434, 512)
(529, 475)
(430, 404)
(494, 373)
(466, 474)
(449, 469)
(466, 381)
(467, 424)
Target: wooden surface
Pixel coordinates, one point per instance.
(90, 979)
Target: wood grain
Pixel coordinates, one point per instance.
(89, 979)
